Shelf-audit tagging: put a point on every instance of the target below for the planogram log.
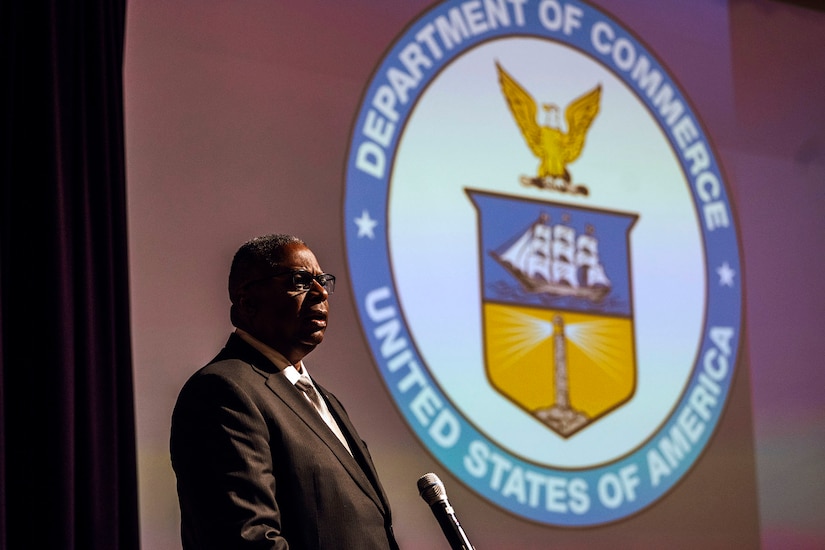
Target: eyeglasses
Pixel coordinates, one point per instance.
(302, 280)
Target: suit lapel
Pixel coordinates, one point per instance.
(359, 449)
(359, 465)
(292, 397)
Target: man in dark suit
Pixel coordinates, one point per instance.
(257, 458)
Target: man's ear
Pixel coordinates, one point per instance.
(248, 305)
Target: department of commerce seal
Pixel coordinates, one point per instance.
(543, 256)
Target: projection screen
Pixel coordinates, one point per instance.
(575, 242)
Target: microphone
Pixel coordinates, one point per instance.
(434, 494)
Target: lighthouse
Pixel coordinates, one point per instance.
(560, 356)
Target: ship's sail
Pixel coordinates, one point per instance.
(553, 259)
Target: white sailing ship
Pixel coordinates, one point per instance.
(553, 259)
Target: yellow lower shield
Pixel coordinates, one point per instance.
(567, 369)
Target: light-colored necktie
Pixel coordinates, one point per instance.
(305, 385)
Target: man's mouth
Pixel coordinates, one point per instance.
(318, 318)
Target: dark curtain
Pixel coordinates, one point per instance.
(67, 433)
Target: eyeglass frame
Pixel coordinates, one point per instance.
(324, 280)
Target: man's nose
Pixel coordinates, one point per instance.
(318, 287)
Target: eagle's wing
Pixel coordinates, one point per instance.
(579, 116)
(524, 110)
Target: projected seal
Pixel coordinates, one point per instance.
(543, 256)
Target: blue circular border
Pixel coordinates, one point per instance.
(372, 285)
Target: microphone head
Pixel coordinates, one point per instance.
(431, 489)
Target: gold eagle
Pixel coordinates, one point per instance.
(554, 148)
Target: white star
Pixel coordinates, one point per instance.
(726, 274)
(366, 225)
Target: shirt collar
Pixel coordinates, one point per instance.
(292, 372)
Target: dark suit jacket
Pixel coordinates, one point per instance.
(257, 467)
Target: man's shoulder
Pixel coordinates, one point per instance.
(234, 364)
(231, 369)
(223, 382)
(234, 358)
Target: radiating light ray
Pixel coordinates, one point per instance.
(522, 333)
(599, 341)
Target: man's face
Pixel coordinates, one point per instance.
(290, 321)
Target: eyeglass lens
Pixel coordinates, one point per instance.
(303, 280)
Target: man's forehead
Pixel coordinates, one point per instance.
(297, 256)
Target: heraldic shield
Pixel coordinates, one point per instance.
(557, 310)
